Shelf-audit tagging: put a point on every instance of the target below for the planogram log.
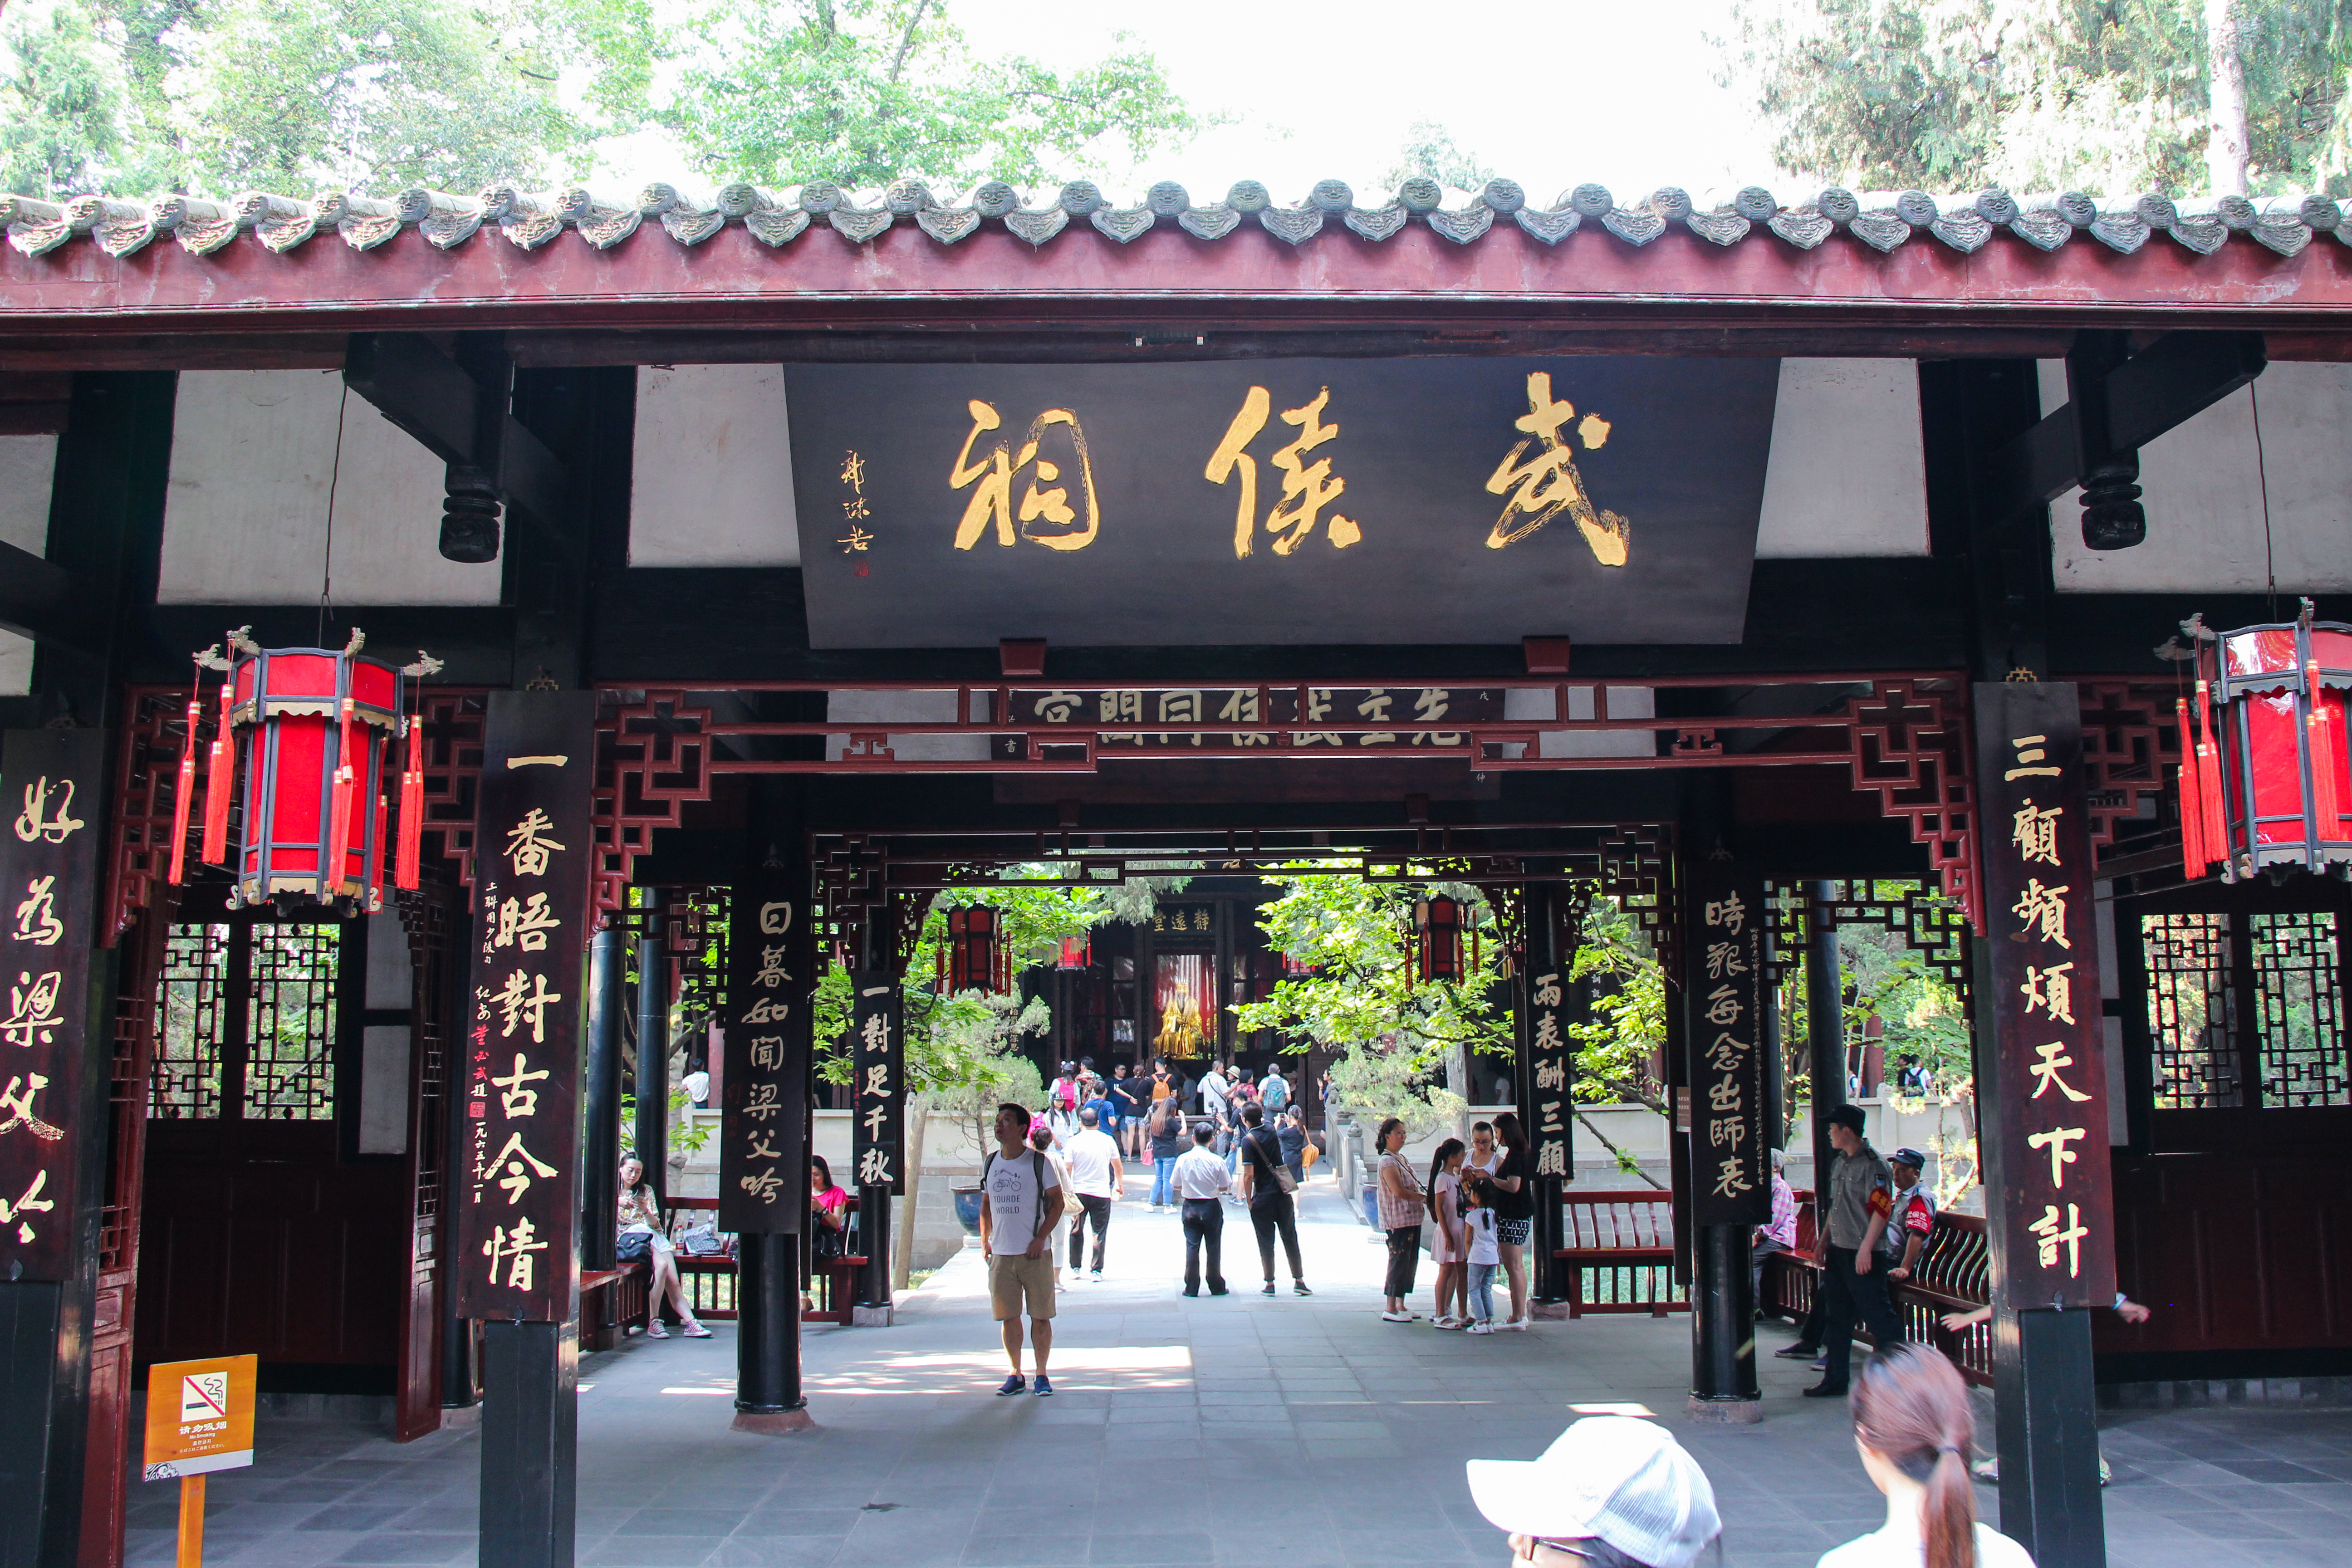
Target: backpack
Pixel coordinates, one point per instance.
(1275, 1094)
(1036, 1173)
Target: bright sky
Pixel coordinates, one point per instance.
(1620, 91)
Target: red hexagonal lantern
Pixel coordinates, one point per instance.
(975, 959)
(2285, 779)
(1437, 925)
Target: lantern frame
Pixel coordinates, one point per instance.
(2281, 691)
(1074, 952)
(1437, 926)
(291, 710)
(975, 950)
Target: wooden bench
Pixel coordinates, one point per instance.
(1953, 1275)
(1619, 1253)
(617, 1302)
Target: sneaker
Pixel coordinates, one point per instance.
(1797, 1352)
(1516, 1325)
(1096, 1274)
(1298, 1288)
(1397, 1317)
(1016, 1383)
(1447, 1321)
(655, 1329)
(1482, 1327)
(1045, 1386)
(1269, 1289)
(697, 1332)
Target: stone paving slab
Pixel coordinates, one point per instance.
(1238, 1432)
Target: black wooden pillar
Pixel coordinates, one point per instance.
(653, 1043)
(1824, 1032)
(1722, 961)
(600, 1098)
(530, 1444)
(1542, 1083)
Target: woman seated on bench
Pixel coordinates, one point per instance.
(828, 1223)
(641, 1237)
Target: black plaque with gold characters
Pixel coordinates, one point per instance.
(1293, 501)
(518, 1185)
(764, 1096)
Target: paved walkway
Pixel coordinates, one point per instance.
(1267, 1432)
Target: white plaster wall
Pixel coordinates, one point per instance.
(28, 466)
(1848, 474)
(871, 708)
(256, 461)
(2205, 482)
(712, 481)
(1522, 702)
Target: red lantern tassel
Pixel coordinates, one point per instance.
(218, 784)
(412, 811)
(2209, 779)
(181, 806)
(336, 860)
(2193, 859)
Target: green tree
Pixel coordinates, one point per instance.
(63, 102)
(1364, 994)
(2187, 96)
(864, 92)
(1430, 153)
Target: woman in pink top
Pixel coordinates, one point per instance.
(1401, 1211)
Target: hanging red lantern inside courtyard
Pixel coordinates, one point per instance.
(1437, 926)
(309, 729)
(2285, 778)
(974, 952)
(1073, 953)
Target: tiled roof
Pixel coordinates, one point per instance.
(1884, 221)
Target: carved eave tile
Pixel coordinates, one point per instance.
(1638, 226)
(2042, 229)
(120, 227)
(860, 225)
(1038, 226)
(603, 221)
(1719, 227)
(776, 226)
(949, 225)
(35, 227)
(1461, 225)
(1212, 222)
(692, 226)
(446, 221)
(1550, 225)
(363, 222)
(1961, 226)
(281, 222)
(200, 226)
(525, 219)
(2287, 234)
(1804, 227)
(1125, 224)
(1882, 230)
(1376, 224)
(1295, 225)
(2121, 232)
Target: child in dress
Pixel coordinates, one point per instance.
(1478, 1226)
(1446, 1242)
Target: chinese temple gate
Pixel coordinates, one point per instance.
(782, 562)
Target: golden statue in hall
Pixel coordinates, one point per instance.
(1179, 1027)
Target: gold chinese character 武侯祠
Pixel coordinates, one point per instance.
(1307, 488)
(1548, 484)
(990, 482)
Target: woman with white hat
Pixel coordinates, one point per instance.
(1610, 1492)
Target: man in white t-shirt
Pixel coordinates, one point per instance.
(1099, 1176)
(1216, 1087)
(1020, 1200)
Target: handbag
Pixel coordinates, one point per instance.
(633, 1245)
(1282, 1176)
(701, 1241)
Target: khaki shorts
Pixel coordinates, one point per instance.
(1012, 1278)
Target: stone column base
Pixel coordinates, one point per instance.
(870, 1317)
(1548, 1312)
(1725, 1411)
(773, 1422)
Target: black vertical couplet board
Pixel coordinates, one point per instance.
(519, 1172)
(1550, 1052)
(2054, 1242)
(50, 789)
(771, 961)
(1731, 1174)
(880, 1056)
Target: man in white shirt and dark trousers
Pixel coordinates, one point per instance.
(1198, 1177)
(1098, 1176)
(1020, 1200)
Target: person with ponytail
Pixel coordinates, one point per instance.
(1915, 1426)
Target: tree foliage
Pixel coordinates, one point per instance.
(125, 96)
(1430, 153)
(2109, 96)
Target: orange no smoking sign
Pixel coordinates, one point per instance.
(199, 1416)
